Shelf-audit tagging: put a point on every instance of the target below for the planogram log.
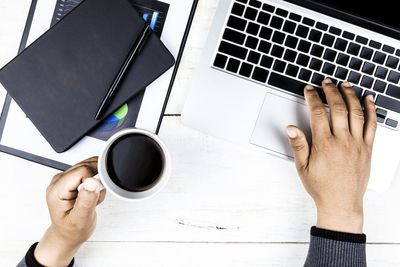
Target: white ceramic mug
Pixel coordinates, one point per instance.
(119, 192)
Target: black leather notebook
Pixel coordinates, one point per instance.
(60, 80)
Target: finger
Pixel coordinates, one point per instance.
(318, 118)
(299, 145)
(337, 106)
(102, 196)
(86, 202)
(356, 114)
(90, 162)
(66, 187)
(370, 121)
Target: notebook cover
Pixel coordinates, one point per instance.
(60, 80)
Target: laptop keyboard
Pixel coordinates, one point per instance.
(273, 46)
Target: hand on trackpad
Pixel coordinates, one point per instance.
(275, 115)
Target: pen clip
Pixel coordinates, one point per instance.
(146, 34)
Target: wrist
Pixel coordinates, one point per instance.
(54, 250)
(341, 220)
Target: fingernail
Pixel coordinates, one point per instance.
(327, 81)
(370, 98)
(292, 133)
(309, 87)
(91, 185)
(346, 84)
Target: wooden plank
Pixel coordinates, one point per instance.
(188, 254)
(218, 192)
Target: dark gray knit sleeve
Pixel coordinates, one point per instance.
(334, 249)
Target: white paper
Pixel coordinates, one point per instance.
(19, 133)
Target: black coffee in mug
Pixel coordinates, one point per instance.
(135, 162)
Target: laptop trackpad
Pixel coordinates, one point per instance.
(276, 113)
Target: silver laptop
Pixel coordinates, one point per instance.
(261, 54)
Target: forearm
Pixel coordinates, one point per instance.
(30, 261)
(336, 249)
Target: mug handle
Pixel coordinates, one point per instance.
(97, 177)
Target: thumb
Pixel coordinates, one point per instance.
(299, 145)
(86, 202)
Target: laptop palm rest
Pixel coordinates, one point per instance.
(276, 113)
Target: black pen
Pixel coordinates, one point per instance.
(133, 53)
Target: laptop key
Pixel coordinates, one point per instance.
(237, 23)
(342, 59)
(278, 37)
(302, 31)
(295, 17)
(254, 57)
(263, 18)
(292, 70)
(381, 72)
(251, 13)
(317, 50)
(268, 8)
(341, 73)
(388, 103)
(330, 55)
(308, 21)
(316, 64)
(291, 41)
(264, 47)
(304, 46)
(290, 55)
(220, 61)
(394, 77)
(303, 60)
(341, 44)
(265, 33)
(358, 91)
(286, 83)
(233, 50)
(243, 1)
(251, 42)
(246, 69)
(379, 86)
(367, 81)
(305, 75)
(348, 35)
(379, 57)
(355, 63)
(315, 36)
(321, 26)
(238, 9)
(366, 53)
(233, 65)
(368, 92)
(361, 40)
(391, 123)
(375, 44)
(368, 68)
(393, 90)
(289, 27)
(255, 3)
(279, 66)
(328, 68)
(266, 61)
(354, 49)
(354, 77)
(328, 40)
(276, 22)
(335, 30)
(234, 36)
(260, 74)
(388, 49)
(281, 12)
(277, 51)
(253, 28)
(317, 79)
(392, 62)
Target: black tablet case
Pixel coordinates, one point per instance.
(60, 80)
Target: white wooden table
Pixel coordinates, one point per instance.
(224, 205)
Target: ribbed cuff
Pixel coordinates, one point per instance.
(338, 236)
(30, 260)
